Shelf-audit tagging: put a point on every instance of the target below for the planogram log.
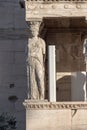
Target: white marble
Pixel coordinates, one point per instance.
(52, 73)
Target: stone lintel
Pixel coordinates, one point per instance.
(52, 1)
(40, 9)
(45, 105)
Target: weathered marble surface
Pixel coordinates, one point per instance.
(55, 9)
(54, 116)
(36, 60)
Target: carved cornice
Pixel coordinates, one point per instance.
(39, 5)
(55, 8)
(52, 106)
(56, 1)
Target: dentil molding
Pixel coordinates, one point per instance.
(44, 105)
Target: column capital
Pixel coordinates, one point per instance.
(35, 25)
(34, 21)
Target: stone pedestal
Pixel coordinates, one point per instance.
(44, 115)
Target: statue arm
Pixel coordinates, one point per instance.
(43, 47)
(44, 50)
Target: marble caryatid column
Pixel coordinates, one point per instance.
(35, 62)
(85, 57)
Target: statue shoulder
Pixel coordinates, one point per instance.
(41, 40)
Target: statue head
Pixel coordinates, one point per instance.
(34, 28)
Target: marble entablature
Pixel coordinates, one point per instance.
(55, 9)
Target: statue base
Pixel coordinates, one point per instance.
(44, 115)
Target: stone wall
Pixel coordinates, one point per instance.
(57, 119)
(54, 116)
(13, 40)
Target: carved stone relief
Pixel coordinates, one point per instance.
(56, 9)
(35, 63)
(47, 106)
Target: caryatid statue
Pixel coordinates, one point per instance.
(85, 49)
(36, 60)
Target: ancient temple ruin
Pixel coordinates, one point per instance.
(63, 26)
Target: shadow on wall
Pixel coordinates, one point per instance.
(72, 88)
(64, 88)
